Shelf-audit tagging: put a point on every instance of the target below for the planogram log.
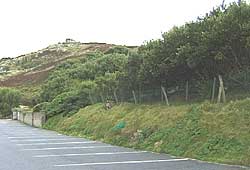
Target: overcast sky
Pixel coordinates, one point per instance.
(29, 25)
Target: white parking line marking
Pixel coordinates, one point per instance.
(26, 134)
(10, 126)
(31, 137)
(88, 154)
(123, 162)
(61, 148)
(61, 143)
(41, 140)
(23, 129)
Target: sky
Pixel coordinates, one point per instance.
(30, 25)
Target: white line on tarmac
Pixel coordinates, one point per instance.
(41, 140)
(32, 137)
(27, 130)
(24, 132)
(13, 126)
(27, 134)
(61, 143)
(64, 148)
(13, 131)
(88, 154)
(123, 162)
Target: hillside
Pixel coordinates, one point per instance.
(33, 68)
(211, 132)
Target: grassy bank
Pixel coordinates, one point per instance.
(212, 132)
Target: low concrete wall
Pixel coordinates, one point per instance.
(34, 119)
(38, 119)
(15, 115)
(28, 119)
(20, 117)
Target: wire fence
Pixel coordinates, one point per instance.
(216, 90)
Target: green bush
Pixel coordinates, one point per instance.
(9, 98)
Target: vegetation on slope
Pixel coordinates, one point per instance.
(212, 132)
(33, 68)
(69, 87)
(216, 44)
(28, 73)
(9, 98)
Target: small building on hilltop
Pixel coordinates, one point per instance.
(70, 41)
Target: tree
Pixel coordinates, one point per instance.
(9, 98)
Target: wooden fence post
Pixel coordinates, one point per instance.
(140, 94)
(187, 88)
(221, 91)
(116, 99)
(91, 99)
(134, 96)
(213, 90)
(165, 95)
(162, 96)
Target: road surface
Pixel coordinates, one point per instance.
(26, 148)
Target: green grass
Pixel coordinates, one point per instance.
(211, 132)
